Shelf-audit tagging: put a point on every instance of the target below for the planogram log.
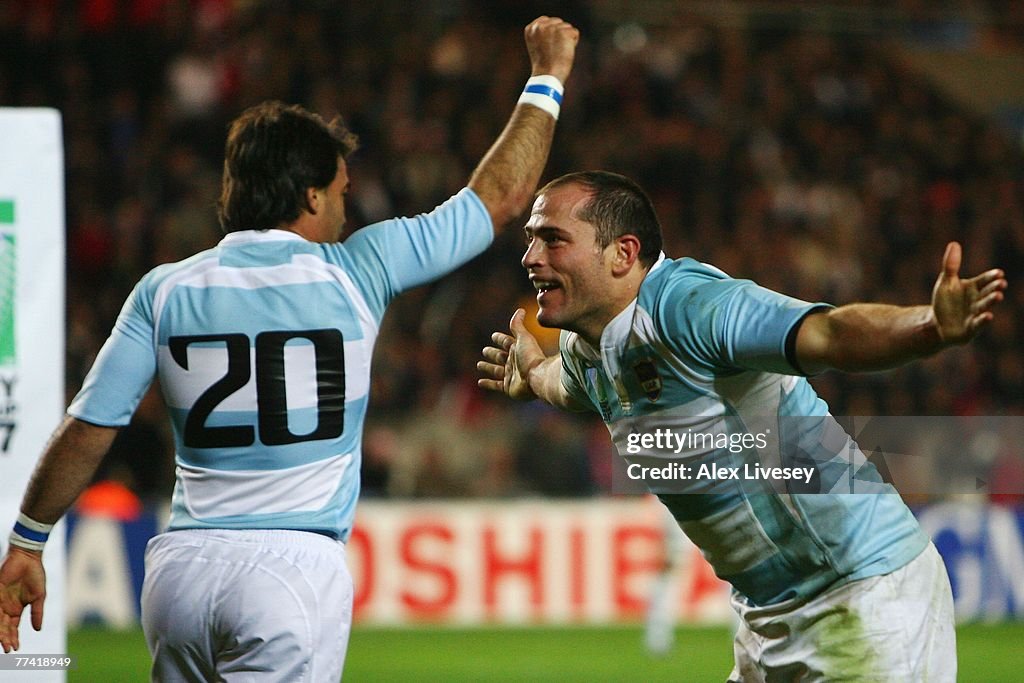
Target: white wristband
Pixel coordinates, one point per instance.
(544, 92)
(30, 534)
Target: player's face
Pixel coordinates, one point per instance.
(567, 266)
(333, 218)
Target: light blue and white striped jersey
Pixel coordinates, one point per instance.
(262, 346)
(700, 353)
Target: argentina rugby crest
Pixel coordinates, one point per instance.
(650, 381)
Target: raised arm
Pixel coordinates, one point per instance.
(517, 367)
(507, 176)
(866, 337)
(66, 468)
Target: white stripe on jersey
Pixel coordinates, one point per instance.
(255, 277)
(355, 297)
(207, 365)
(646, 332)
(167, 286)
(303, 269)
(210, 493)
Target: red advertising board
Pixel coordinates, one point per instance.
(521, 562)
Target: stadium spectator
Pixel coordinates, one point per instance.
(279, 282)
(654, 344)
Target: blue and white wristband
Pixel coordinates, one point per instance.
(544, 92)
(30, 534)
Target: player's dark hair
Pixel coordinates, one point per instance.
(617, 207)
(274, 153)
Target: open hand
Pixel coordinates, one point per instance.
(507, 364)
(22, 583)
(963, 307)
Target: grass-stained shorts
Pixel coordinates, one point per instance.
(896, 628)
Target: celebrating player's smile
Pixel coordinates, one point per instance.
(649, 341)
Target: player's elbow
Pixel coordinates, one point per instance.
(506, 208)
(815, 344)
(840, 340)
(505, 201)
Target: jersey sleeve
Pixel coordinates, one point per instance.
(124, 367)
(573, 379)
(737, 325)
(392, 256)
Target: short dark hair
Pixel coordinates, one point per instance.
(274, 153)
(617, 207)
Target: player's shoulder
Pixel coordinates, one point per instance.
(673, 281)
(165, 272)
(684, 270)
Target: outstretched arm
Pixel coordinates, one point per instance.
(66, 468)
(517, 367)
(865, 337)
(507, 176)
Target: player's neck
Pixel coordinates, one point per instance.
(621, 293)
(311, 227)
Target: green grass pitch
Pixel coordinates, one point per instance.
(988, 653)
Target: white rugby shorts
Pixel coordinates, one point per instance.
(246, 605)
(896, 628)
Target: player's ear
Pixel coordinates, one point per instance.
(627, 251)
(313, 199)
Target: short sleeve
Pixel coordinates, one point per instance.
(392, 256)
(732, 324)
(573, 379)
(124, 367)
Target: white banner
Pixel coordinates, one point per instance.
(32, 339)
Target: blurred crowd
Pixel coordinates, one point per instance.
(814, 163)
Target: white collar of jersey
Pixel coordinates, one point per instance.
(617, 332)
(247, 236)
(661, 259)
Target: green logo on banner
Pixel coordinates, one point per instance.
(8, 261)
